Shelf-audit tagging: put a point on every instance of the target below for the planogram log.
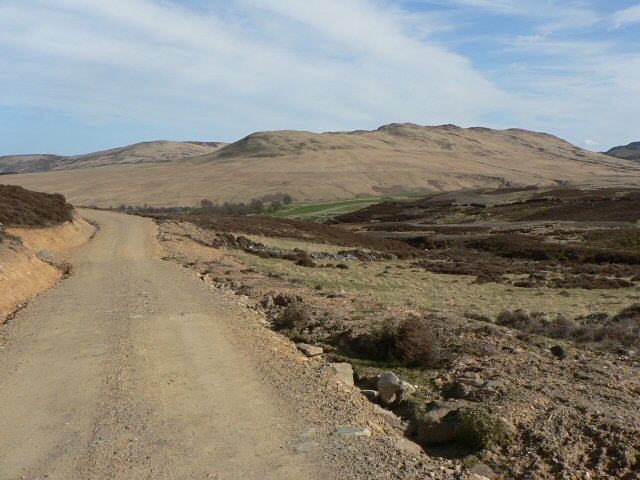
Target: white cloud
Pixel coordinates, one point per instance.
(321, 64)
(246, 65)
(626, 16)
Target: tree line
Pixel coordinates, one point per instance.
(254, 207)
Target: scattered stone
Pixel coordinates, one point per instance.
(388, 386)
(342, 371)
(471, 375)
(308, 432)
(406, 391)
(439, 424)
(267, 302)
(309, 350)
(475, 476)
(353, 431)
(333, 295)
(461, 423)
(482, 395)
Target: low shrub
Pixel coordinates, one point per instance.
(524, 247)
(521, 320)
(621, 330)
(629, 313)
(294, 318)
(418, 344)
(414, 342)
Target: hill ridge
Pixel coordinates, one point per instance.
(627, 152)
(332, 166)
(141, 152)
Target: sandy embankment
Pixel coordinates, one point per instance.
(22, 274)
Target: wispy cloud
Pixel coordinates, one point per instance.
(219, 70)
(321, 64)
(626, 16)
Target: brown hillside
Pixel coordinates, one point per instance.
(628, 152)
(328, 166)
(146, 152)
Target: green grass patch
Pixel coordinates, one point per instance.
(326, 210)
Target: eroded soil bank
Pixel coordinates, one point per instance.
(34, 259)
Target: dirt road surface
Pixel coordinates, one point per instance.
(127, 370)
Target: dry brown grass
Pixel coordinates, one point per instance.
(385, 282)
(313, 167)
(620, 330)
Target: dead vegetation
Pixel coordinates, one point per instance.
(295, 229)
(621, 331)
(23, 208)
(519, 205)
(411, 342)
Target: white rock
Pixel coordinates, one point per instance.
(353, 431)
(393, 390)
(388, 386)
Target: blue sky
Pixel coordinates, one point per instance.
(79, 76)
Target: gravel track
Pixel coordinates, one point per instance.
(133, 368)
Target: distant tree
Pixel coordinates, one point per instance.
(206, 204)
(256, 206)
(275, 206)
(286, 199)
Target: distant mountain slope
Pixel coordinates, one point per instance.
(340, 165)
(628, 152)
(146, 152)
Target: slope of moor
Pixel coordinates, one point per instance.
(330, 166)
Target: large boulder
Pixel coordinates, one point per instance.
(393, 390)
(343, 372)
(439, 424)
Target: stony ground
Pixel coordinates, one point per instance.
(135, 368)
(572, 409)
